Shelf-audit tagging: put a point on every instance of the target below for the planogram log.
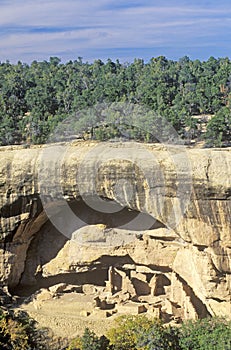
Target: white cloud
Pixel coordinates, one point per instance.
(44, 13)
(90, 25)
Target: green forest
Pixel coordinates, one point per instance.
(193, 96)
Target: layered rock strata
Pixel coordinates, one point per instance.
(149, 224)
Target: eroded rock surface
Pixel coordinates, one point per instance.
(148, 224)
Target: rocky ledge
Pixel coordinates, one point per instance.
(145, 225)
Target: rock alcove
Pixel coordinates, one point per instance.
(183, 271)
(101, 231)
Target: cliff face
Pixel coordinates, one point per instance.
(158, 217)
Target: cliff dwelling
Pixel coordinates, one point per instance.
(112, 264)
(48, 243)
(97, 255)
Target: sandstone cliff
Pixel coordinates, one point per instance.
(149, 223)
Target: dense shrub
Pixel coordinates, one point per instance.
(159, 337)
(128, 331)
(206, 334)
(219, 128)
(141, 333)
(89, 341)
(20, 332)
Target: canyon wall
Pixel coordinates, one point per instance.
(154, 217)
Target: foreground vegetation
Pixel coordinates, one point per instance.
(35, 98)
(140, 333)
(19, 332)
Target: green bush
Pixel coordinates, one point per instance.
(206, 334)
(19, 332)
(127, 332)
(75, 344)
(159, 337)
(219, 128)
(89, 341)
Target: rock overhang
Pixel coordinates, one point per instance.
(150, 182)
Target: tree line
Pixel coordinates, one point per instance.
(36, 97)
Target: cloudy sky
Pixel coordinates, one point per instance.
(92, 29)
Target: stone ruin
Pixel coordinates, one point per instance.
(132, 289)
(137, 289)
(177, 273)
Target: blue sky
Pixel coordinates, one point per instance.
(35, 30)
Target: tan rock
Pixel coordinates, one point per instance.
(58, 288)
(183, 257)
